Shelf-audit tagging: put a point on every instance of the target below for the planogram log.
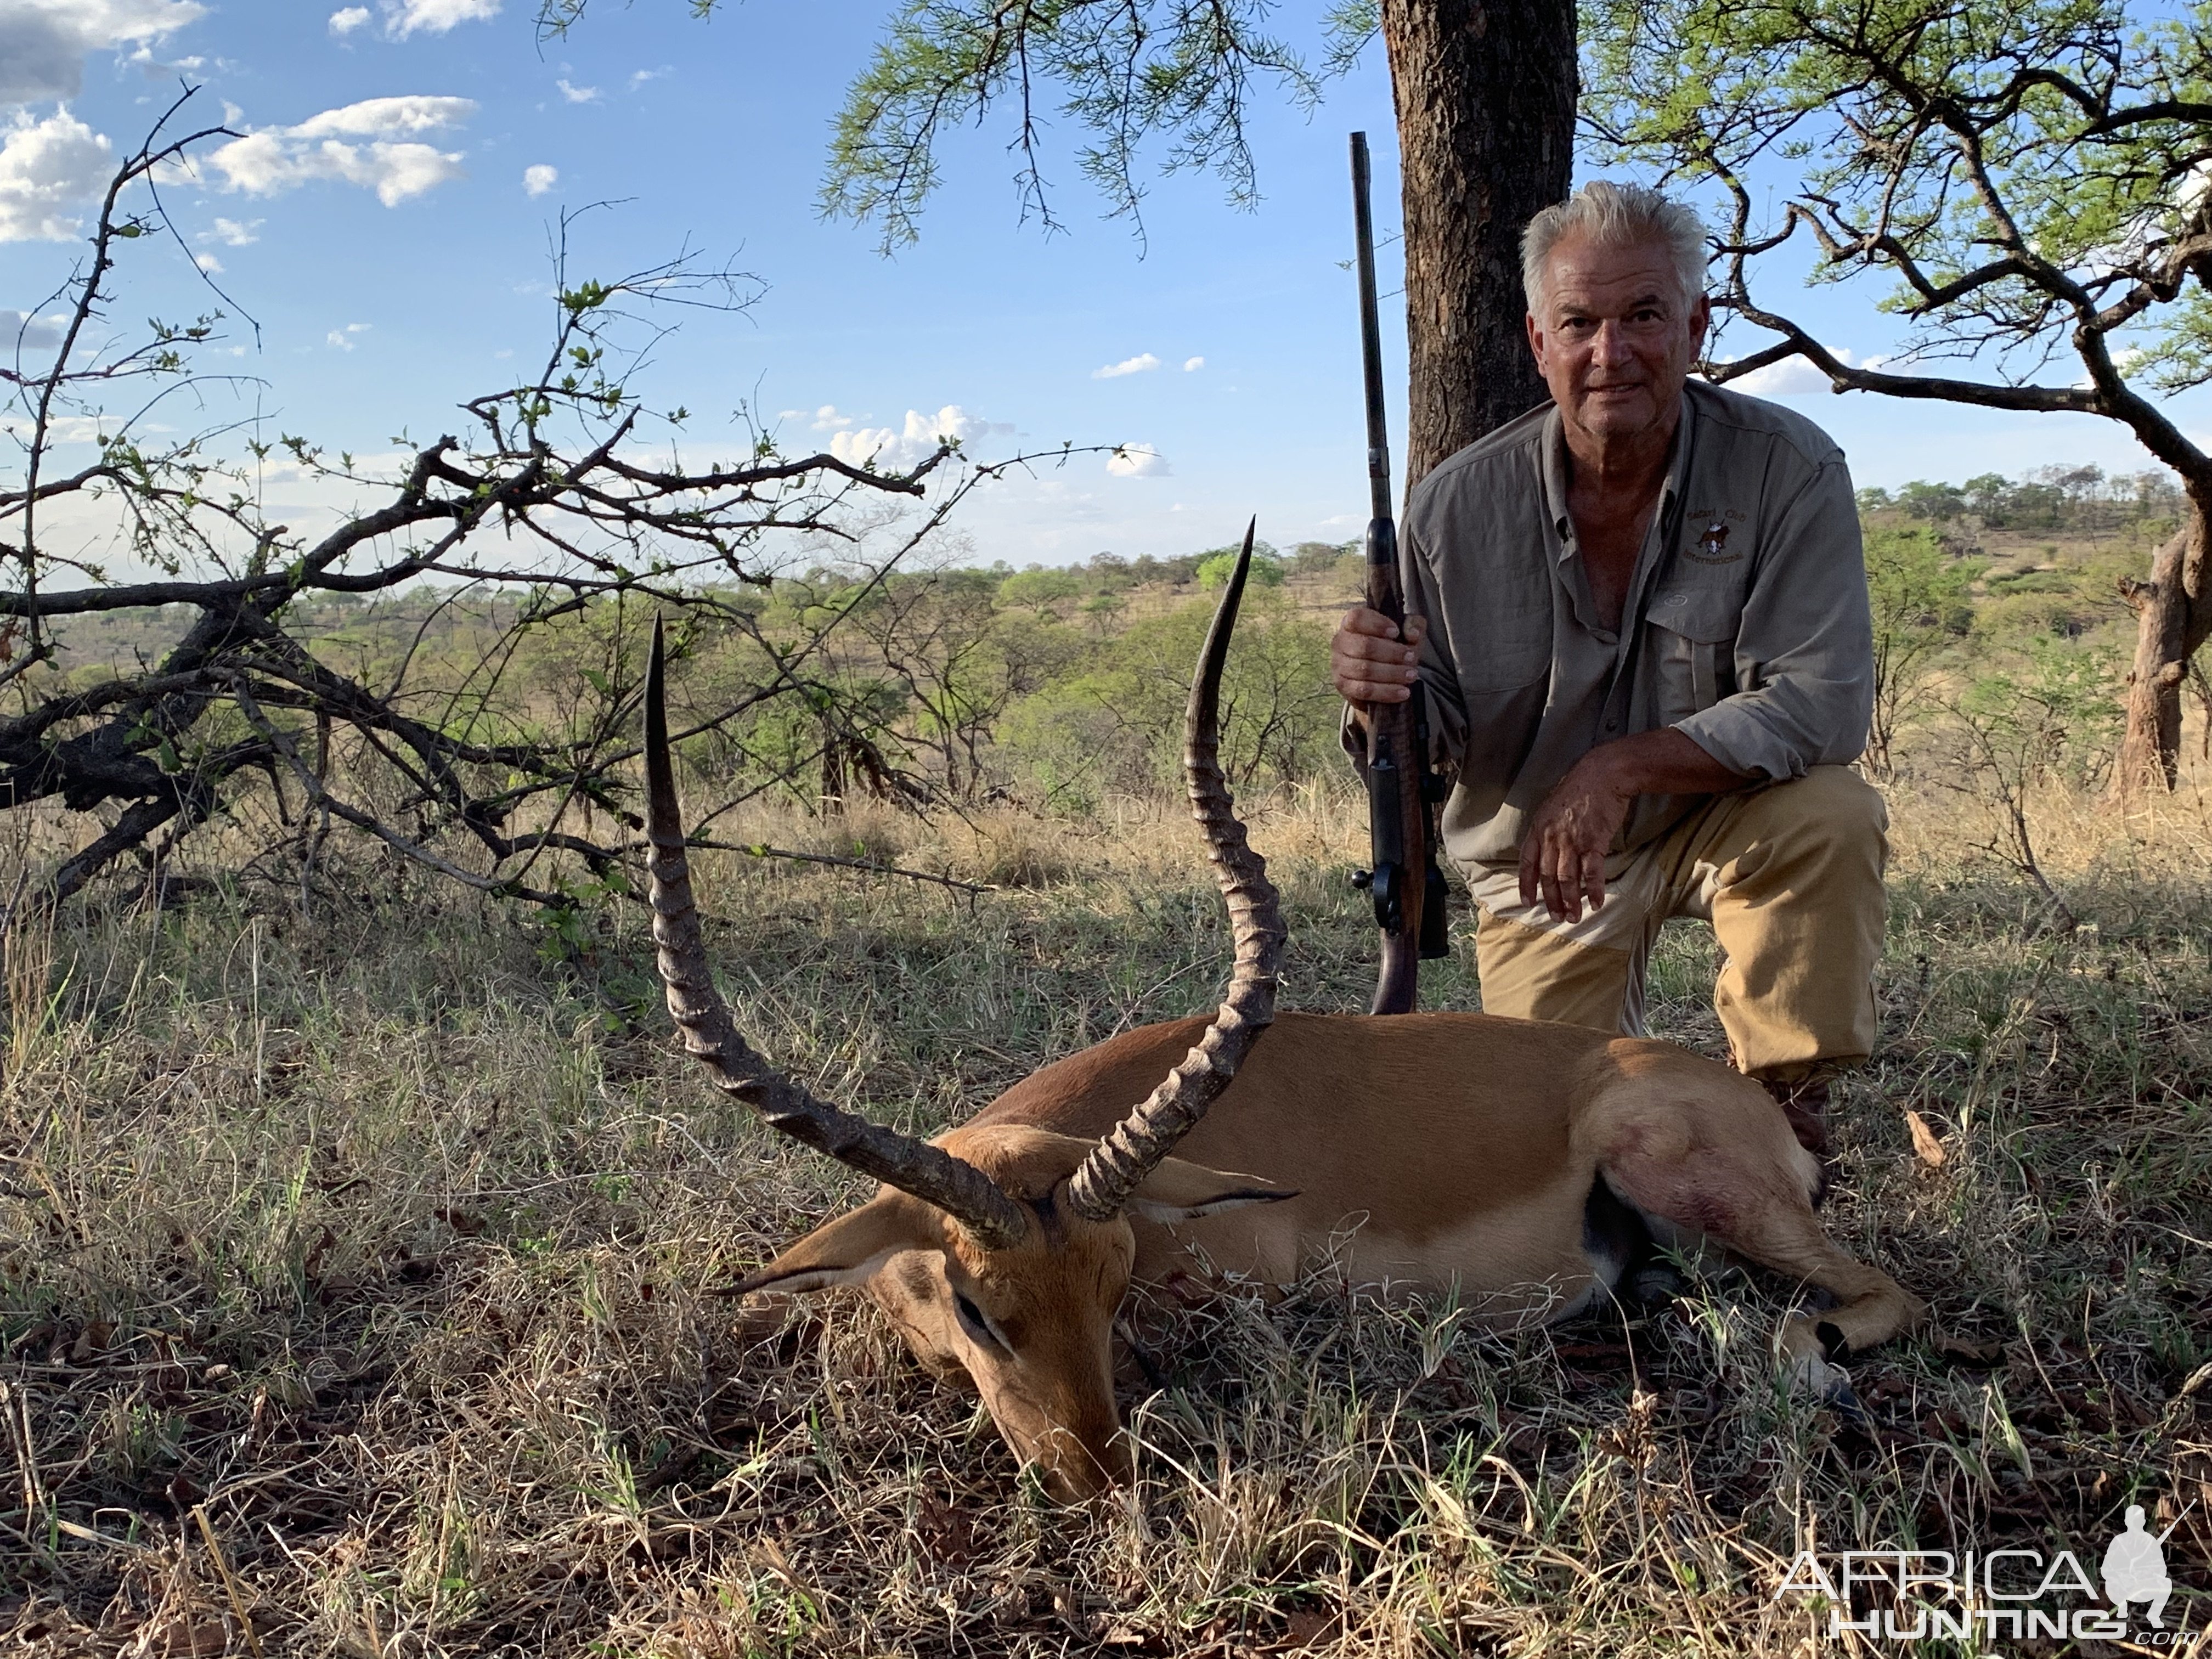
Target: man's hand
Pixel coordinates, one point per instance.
(1368, 662)
(1562, 850)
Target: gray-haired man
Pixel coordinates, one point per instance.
(1649, 659)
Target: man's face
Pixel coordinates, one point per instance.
(1614, 340)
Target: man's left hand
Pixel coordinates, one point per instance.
(1562, 850)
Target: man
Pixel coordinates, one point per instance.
(1646, 641)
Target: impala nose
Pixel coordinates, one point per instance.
(1075, 1469)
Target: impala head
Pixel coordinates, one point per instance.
(1029, 1326)
(1003, 1251)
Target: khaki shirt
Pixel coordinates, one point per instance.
(1746, 622)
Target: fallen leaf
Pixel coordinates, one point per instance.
(1924, 1143)
(947, 1531)
(1309, 1629)
(187, 1636)
(1961, 1351)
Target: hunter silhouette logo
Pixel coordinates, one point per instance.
(2009, 1593)
(2135, 1569)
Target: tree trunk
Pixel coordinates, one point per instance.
(2173, 612)
(1485, 91)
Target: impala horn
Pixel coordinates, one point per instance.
(1116, 1166)
(929, 1173)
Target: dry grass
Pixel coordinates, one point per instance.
(351, 1276)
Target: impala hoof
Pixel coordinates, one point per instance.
(1812, 1377)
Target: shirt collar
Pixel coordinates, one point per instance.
(1553, 449)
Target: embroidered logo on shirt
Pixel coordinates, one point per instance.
(1711, 546)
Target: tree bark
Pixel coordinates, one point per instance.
(1485, 91)
(2173, 612)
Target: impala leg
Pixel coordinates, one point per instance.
(1871, 1307)
(1758, 1211)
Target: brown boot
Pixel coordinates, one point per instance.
(1805, 1103)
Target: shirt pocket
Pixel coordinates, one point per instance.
(1692, 636)
(1517, 653)
(1509, 643)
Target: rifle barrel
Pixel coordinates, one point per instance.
(1371, 337)
(1397, 815)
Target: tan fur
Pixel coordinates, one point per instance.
(1434, 1152)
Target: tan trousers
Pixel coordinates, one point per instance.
(1790, 876)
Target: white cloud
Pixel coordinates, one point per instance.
(280, 158)
(414, 113)
(345, 23)
(261, 164)
(2194, 183)
(342, 337)
(638, 78)
(63, 429)
(47, 166)
(233, 232)
(1192, 365)
(1137, 365)
(20, 331)
(576, 95)
(537, 180)
(1137, 461)
(1792, 377)
(824, 419)
(44, 43)
(208, 263)
(403, 17)
(891, 448)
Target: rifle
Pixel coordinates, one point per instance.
(1407, 886)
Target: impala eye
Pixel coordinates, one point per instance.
(972, 1320)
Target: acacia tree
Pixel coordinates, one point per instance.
(1484, 98)
(1919, 602)
(543, 533)
(2032, 174)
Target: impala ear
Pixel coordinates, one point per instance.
(848, 1250)
(1179, 1191)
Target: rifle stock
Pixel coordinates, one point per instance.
(1406, 886)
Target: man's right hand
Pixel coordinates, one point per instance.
(1367, 660)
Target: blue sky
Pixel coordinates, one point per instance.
(387, 224)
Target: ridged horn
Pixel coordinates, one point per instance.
(931, 1174)
(1118, 1163)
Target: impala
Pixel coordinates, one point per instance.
(1515, 1164)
